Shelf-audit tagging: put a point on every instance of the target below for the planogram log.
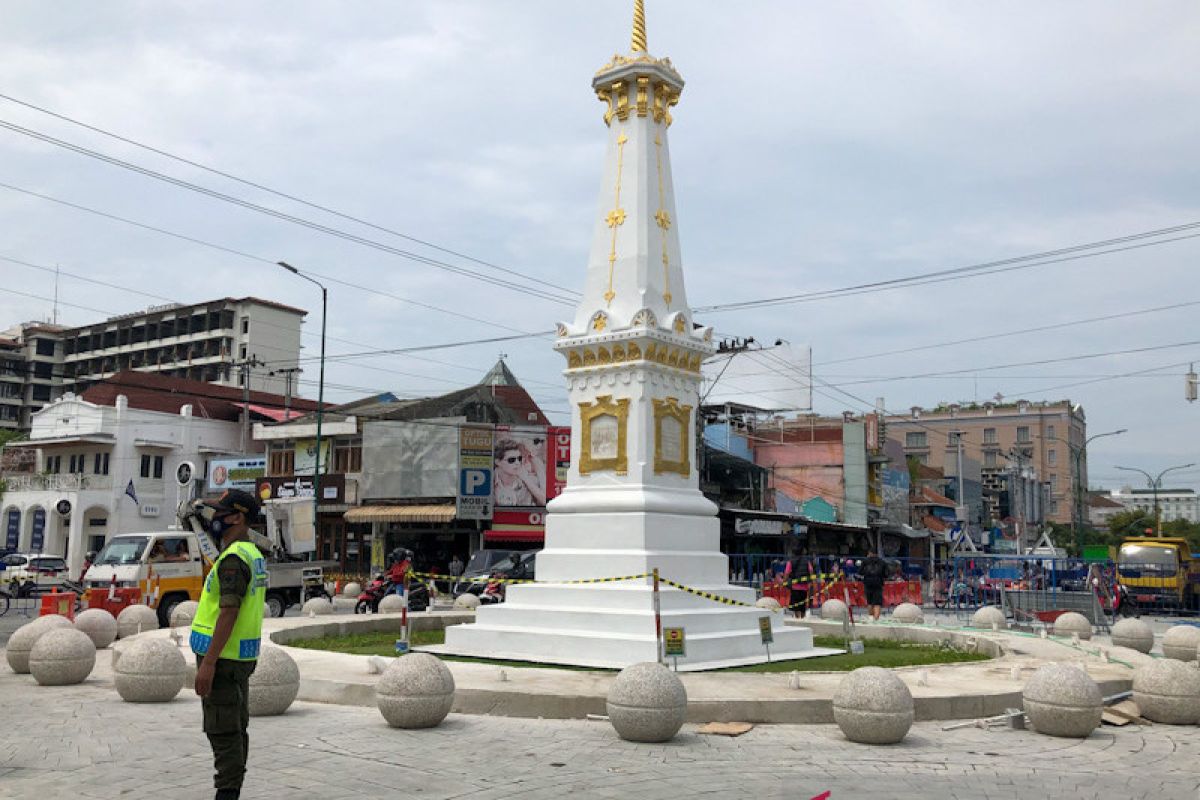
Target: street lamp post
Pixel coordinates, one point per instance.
(1156, 484)
(320, 394)
(1077, 454)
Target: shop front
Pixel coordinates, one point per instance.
(516, 529)
(431, 530)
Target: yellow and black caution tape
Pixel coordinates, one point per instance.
(716, 598)
(485, 579)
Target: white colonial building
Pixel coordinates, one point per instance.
(1173, 504)
(98, 470)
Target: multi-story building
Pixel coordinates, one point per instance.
(201, 342)
(1038, 442)
(1173, 504)
(105, 462)
(30, 371)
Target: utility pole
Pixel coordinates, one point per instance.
(244, 367)
(287, 390)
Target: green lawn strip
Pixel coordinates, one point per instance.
(878, 653)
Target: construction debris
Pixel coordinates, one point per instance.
(726, 728)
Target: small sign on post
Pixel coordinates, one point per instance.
(768, 636)
(674, 644)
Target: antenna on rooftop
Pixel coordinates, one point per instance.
(54, 317)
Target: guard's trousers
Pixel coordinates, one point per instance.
(227, 719)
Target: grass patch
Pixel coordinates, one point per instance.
(878, 653)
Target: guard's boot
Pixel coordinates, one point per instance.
(228, 794)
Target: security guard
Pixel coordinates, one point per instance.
(226, 634)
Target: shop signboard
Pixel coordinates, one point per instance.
(333, 488)
(558, 464)
(521, 475)
(475, 454)
(237, 473)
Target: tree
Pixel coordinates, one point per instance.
(1132, 522)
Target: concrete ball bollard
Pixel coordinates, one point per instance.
(150, 671)
(1134, 634)
(987, 617)
(769, 603)
(392, 604)
(1180, 642)
(99, 625)
(62, 657)
(834, 610)
(1073, 622)
(26, 636)
(352, 589)
(909, 613)
(467, 601)
(318, 606)
(274, 683)
(647, 703)
(873, 706)
(1062, 700)
(415, 691)
(136, 619)
(183, 614)
(1168, 691)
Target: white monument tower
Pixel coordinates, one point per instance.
(632, 502)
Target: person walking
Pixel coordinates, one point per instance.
(226, 635)
(798, 573)
(874, 572)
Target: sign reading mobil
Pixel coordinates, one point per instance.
(235, 473)
(474, 495)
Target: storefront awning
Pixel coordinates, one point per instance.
(514, 536)
(426, 513)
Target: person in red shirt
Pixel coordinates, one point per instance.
(401, 566)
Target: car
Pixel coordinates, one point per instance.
(513, 564)
(45, 570)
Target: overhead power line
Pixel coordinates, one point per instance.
(278, 193)
(285, 217)
(960, 273)
(250, 256)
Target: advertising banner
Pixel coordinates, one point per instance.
(236, 473)
(39, 530)
(559, 462)
(521, 473)
(12, 536)
(474, 495)
(305, 462)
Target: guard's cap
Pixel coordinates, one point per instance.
(239, 501)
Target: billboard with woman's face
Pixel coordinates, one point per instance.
(519, 474)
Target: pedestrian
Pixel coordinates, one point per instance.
(227, 633)
(456, 566)
(798, 573)
(874, 572)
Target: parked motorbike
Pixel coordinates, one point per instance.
(1124, 604)
(374, 592)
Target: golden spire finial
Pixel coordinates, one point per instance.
(639, 27)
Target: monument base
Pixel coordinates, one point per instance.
(611, 625)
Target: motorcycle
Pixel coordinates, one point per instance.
(374, 592)
(1123, 603)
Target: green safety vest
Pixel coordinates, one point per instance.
(244, 641)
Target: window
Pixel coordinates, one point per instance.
(953, 438)
(1053, 507)
(76, 463)
(145, 472)
(100, 464)
(282, 461)
(1052, 457)
(1053, 483)
(242, 352)
(245, 326)
(54, 464)
(989, 436)
(41, 393)
(42, 369)
(1023, 434)
(1050, 432)
(914, 439)
(158, 466)
(45, 347)
(990, 458)
(347, 456)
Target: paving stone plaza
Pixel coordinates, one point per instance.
(84, 741)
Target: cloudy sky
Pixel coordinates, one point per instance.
(817, 146)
